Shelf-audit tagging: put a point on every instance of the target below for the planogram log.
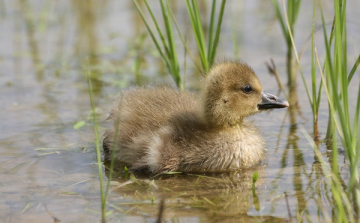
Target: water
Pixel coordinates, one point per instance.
(48, 170)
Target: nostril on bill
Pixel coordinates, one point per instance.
(272, 98)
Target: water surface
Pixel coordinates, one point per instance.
(47, 168)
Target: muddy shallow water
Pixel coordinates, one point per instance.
(47, 167)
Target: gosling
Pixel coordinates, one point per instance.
(162, 129)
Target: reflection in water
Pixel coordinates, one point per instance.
(216, 198)
(299, 162)
(87, 39)
(309, 189)
(299, 165)
(291, 141)
(30, 27)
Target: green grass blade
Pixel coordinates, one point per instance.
(336, 86)
(195, 20)
(198, 23)
(198, 67)
(280, 18)
(170, 55)
(313, 102)
(211, 28)
(217, 34)
(319, 95)
(341, 199)
(341, 71)
(152, 35)
(328, 61)
(171, 43)
(97, 142)
(157, 28)
(297, 8)
(296, 54)
(336, 190)
(290, 13)
(353, 69)
(356, 121)
(316, 94)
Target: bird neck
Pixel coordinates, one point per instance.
(219, 121)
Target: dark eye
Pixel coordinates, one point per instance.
(247, 89)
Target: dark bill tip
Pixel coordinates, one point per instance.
(270, 101)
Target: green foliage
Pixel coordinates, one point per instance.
(336, 82)
(165, 41)
(292, 12)
(166, 45)
(207, 55)
(287, 23)
(315, 97)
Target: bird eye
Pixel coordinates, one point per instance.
(247, 89)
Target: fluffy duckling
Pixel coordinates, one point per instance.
(162, 129)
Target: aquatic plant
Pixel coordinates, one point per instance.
(165, 42)
(207, 55)
(336, 83)
(98, 149)
(166, 45)
(287, 27)
(335, 79)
